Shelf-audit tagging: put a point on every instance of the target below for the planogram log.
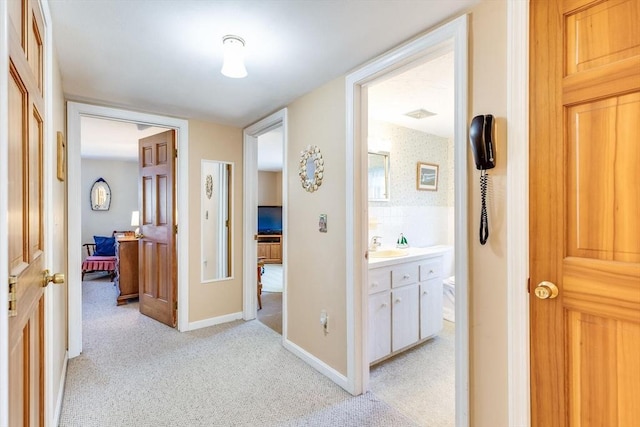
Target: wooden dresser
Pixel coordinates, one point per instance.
(126, 279)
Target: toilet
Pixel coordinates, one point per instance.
(449, 299)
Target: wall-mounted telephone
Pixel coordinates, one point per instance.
(481, 138)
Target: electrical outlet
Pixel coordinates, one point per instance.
(324, 321)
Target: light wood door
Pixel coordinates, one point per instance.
(25, 221)
(585, 212)
(157, 251)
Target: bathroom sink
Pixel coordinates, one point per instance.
(388, 253)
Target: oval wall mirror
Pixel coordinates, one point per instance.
(311, 168)
(100, 195)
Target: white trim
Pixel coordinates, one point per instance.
(212, 321)
(49, 175)
(57, 408)
(317, 364)
(455, 32)
(517, 213)
(250, 220)
(75, 111)
(4, 239)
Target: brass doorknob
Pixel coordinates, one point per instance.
(546, 290)
(56, 278)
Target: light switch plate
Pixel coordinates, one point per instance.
(322, 223)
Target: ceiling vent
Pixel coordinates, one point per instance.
(420, 114)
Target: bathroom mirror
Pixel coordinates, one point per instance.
(379, 176)
(215, 220)
(100, 195)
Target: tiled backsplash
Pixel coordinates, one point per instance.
(426, 218)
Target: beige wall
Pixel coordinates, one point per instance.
(269, 188)
(58, 263)
(488, 269)
(211, 141)
(316, 261)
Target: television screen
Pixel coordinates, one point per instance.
(269, 219)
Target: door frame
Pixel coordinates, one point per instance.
(75, 111)
(518, 354)
(452, 35)
(250, 215)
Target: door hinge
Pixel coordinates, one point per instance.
(529, 285)
(175, 229)
(13, 298)
(175, 305)
(176, 153)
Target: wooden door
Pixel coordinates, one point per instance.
(585, 212)
(157, 250)
(25, 220)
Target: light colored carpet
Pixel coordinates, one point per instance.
(137, 372)
(272, 278)
(420, 382)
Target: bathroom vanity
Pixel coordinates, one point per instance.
(405, 298)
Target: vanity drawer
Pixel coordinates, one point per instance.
(404, 274)
(379, 280)
(430, 268)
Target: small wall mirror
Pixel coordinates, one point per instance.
(100, 195)
(379, 176)
(215, 203)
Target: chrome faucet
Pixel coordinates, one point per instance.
(375, 243)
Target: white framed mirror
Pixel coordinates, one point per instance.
(215, 219)
(100, 195)
(378, 176)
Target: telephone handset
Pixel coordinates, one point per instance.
(481, 138)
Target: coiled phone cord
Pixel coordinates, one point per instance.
(484, 221)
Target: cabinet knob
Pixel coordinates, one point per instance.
(406, 276)
(374, 284)
(425, 293)
(398, 299)
(384, 304)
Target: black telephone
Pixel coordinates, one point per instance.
(481, 138)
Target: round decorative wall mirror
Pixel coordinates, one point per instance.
(311, 168)
(100, 195)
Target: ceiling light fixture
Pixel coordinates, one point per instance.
(233, 65)
(420, 114)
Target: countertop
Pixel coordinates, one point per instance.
(413, 254)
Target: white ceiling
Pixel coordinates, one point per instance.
(164, 57)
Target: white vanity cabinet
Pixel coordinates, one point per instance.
(405, 302)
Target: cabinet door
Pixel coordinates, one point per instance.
(276, 252)
(430, 308)
(405, 316)
(379, 325)
(263, 250)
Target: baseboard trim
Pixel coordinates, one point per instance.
(192, 326)
(63, 377)
(318, 365)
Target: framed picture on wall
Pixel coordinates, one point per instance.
(427, 179)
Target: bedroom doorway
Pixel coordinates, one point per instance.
(75, 114)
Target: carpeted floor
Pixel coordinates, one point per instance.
(271, 312)
(137, 372)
